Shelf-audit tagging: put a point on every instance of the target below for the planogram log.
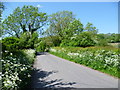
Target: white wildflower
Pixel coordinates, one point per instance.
(29, 75)
(53, 50)
(2, 60)
(11, 53)
(73, 54)
(6, 51)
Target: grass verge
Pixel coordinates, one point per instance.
(101, 59)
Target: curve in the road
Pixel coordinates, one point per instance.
(54, 72)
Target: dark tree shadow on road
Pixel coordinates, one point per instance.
(41, 53)
(38, 81)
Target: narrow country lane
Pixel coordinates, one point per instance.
(54, 72)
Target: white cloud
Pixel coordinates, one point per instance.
(39, 6)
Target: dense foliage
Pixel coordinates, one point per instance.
(16, 69)
(110, 37)
(40, 47)
(27, 40)
(63, 29)
(1, 9)
(25, 19)
(10, 43)
(58, 22)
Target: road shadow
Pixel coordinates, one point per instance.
(41, 53)
(38, 81)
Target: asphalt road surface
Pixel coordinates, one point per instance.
(54, 72)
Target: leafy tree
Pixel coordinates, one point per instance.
(114, 38)
(27, 40)
(86, 39)
(24, 40)
(74, 41)
(76, 35)
(74, 28)
(90, 27)
(64, 43)
(117, 38)
(2, 7)
(25, 19)
(41, 46)
(101, 36)
(58, 22)
(52, 41)
(102, 42)
(109, 37)
(49, 41)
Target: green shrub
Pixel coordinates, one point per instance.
(55, 40)
(40, 47)
(102, 42)
(17, 69)
(10, 43)
(86, 39)
(64, 43)
(74, 41)
(70, 42)
(27, 40)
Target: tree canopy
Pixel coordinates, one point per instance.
(25, 19)
(1, 9)
(58, 22)
(63, 29)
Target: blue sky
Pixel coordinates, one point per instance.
(103, 15)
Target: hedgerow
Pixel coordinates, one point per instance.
(16, 69)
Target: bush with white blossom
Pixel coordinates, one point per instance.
(16, 69)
